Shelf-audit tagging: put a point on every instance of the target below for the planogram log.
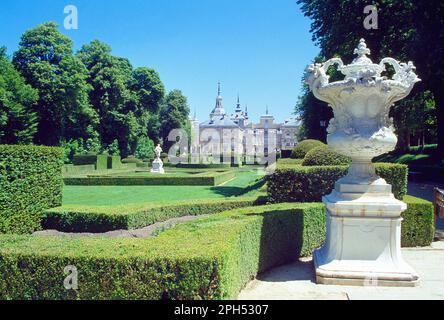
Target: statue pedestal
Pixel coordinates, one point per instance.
(157, 166)
(363, 244)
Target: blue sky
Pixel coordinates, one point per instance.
(257, 48)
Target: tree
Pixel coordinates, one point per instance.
(415, 116)
(337, 27)
(150, 92)
(148, 88)
(46, 61)
(145, 149)
(18, 123)
(111, 97)
(174, 115)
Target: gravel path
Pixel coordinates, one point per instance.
(147, 232)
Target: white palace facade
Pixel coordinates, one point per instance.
(236, 135)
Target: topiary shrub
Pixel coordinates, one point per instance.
(30, 182)
(418, 225)
(324, 156)
(301, 149)
(100, 161)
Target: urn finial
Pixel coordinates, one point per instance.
(362, 49)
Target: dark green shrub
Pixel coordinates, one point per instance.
(84, 159)
(301, 149)
(208, 258)
(100, 161)
(131, 216)
(418, 226)
(297, 183)
(30, 182)
(324, 156)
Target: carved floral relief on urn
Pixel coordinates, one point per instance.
(361, 127)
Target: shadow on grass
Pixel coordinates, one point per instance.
(230, 191)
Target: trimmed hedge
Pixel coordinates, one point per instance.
(324, 156)
(100, 161)
(76, 218)
(208, 258)
(301, 149)
(210, 179)
(296, 183)
(72, 169)
(132, 159)
(30, 182)
(202, 166)
(114, 162)
(418, 226)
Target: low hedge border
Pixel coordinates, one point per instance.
(297, 183)
(76, 218)
(208, 258)
(210, 179)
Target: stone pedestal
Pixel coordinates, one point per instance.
(158, 166)
(363, 244)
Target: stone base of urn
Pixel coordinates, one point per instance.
(157, 167)
(363, 244)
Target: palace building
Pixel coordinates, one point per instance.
(236, 135)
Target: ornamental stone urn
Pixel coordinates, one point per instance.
(158, 163)
(363, 244)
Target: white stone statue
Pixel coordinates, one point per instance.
(157, 163)
(363, 225)
(158, 150)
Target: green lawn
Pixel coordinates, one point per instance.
(104, 195)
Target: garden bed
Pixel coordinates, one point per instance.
(208, 258)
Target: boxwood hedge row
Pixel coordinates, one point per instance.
(210, 179)
(297, 183)
(30, 182)
(208, 258)
(74, 218)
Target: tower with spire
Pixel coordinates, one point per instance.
(218, 110)
(238, 117)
